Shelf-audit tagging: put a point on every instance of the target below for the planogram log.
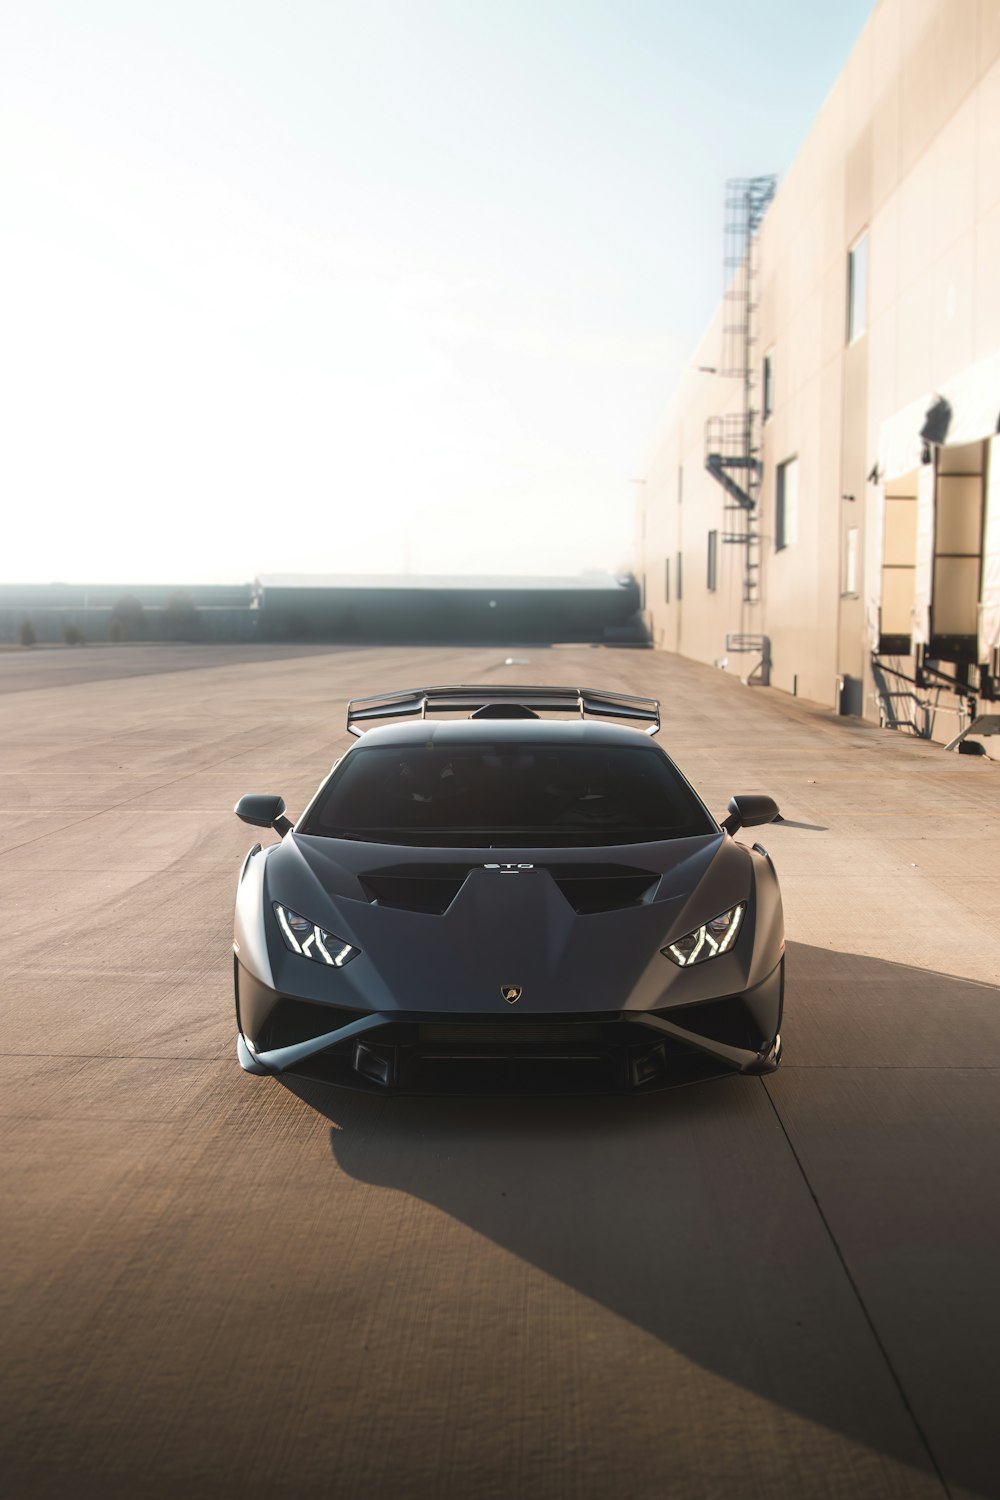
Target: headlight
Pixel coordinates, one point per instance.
(708, 941)
(305, 937)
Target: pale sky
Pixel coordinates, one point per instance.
(365, 285)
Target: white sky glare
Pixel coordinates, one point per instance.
(364, 285)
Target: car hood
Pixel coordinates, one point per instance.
(447, 929)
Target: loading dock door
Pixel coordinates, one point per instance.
(958, 540)
(923, 575)
(989, 608)
(899, 565)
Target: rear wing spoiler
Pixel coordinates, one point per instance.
(421, 703)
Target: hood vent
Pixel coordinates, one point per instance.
(432, 888)
(426, 888)
(595, 888)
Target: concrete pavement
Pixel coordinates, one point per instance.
(220, 1285)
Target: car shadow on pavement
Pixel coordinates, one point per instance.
(740, 1221)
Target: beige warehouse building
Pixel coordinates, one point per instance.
(822, 504)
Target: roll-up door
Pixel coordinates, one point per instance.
(989, 607)
(899, 564)
(875, 511)
(920, 614)
(958, 541)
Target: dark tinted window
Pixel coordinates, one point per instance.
(506, 794)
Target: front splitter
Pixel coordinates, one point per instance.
(517, 1077)
(587, 1053)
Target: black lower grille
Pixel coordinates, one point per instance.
(434, 1054)
(516, 1034)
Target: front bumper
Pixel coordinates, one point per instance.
(433, 1053)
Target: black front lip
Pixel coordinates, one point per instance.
(735, 1033)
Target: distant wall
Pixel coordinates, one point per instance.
(454, 614)
(51, 626)
(389, 613)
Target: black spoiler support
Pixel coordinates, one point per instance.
(422, 703)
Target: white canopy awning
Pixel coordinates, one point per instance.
(974, 398)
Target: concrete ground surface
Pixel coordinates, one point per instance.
(217, 1285)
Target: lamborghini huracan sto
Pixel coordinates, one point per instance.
(508, 888)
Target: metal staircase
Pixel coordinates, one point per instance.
(732, 459)
(732, 452)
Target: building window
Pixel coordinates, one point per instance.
(713, 560)
(851, 561)
(680, 577)
(857, 289)
(666, 580)
(786, 504)
(767, 384)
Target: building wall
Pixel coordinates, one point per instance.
(455, 610)
(592, 608)
(209, 612)
(50, 624)
(907, 149)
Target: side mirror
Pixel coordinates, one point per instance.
(750, 812)
(262, 811)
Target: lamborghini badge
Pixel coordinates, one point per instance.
(511, 993)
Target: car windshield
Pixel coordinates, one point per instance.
(504, 795)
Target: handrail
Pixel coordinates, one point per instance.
(422, 702)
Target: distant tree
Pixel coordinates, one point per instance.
(180, 617)
(130, 617)
(116, 632)
(26, 635)
(73, 636)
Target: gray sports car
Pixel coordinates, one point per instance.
(485, 896)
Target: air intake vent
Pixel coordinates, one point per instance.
(595, 888)
(426, 888)
(294, 1021)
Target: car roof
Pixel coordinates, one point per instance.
(509, 731)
